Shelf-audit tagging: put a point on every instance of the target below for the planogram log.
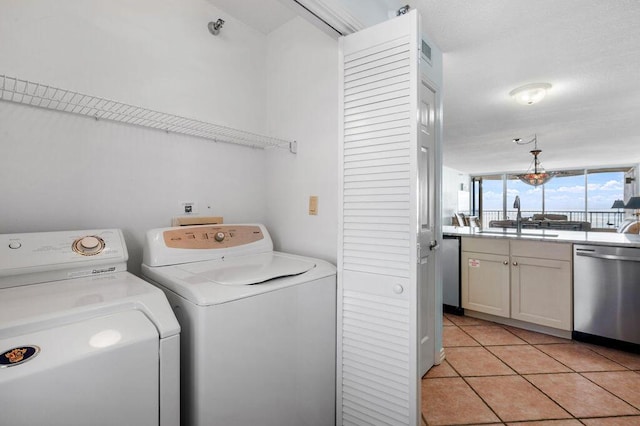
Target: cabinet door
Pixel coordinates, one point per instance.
(541, 291)
(485, 283)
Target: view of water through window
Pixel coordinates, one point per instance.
(563, 198)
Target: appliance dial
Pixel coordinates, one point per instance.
(88, 246)
(15, 245)
(219, 236)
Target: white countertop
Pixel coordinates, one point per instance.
(552, 235)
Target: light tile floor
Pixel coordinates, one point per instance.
(495, 374)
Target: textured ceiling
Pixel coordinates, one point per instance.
(589, 50)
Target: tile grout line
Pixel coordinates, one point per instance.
(580, 373)
(516, 373)
(572, 371)
(467, 383)
(535, 387)
(608, 391)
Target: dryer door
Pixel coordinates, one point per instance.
(99, 371)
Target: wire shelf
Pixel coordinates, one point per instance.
(44, 96)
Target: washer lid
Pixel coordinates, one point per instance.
(247, 270)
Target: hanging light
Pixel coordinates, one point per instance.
(536, 174)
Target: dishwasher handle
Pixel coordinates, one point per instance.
(607, 256)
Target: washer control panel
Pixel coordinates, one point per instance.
(212, 237)
(173, 246)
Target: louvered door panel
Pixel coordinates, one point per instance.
(377, 255)
(375, 353)
(377, 154)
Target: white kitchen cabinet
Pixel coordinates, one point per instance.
(524, 280)
(541, 290)
(485, 276)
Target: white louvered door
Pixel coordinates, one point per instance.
(378, 261)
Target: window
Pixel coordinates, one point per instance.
(488, 198)
(530, 198)
(565, 194)
(583, 196)
(603, 188)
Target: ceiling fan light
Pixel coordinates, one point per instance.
(530, 94)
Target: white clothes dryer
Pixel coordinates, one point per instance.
(258, 326)
(82, 341)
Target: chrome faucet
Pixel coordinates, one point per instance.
(516, 205)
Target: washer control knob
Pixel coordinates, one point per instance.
(88, 246)
(15, 245)
(398, 289)
(219, 237)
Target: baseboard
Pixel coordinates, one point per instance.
(606, 341)
(565, 334)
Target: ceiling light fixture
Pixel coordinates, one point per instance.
(530, 94)
(535, 175)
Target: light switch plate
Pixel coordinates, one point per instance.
(313, 205)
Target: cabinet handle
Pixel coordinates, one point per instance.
(515, 263)
(506, 262)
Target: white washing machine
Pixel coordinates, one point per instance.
(258, 326)
(82, 341)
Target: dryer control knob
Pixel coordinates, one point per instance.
(88, 245)
(219, 236)
(15, 245)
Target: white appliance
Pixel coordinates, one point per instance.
(82, 341)
(258, 326)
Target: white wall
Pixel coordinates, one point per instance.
(154, 53)
(452, 182)
(302, 99)
(60, 171)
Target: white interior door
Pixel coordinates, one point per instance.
(427, 225)
(377, 350)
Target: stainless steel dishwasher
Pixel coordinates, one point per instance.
(450, 255)
(606, 294)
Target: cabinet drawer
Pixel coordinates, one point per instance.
(486, 245)
(541, 250)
